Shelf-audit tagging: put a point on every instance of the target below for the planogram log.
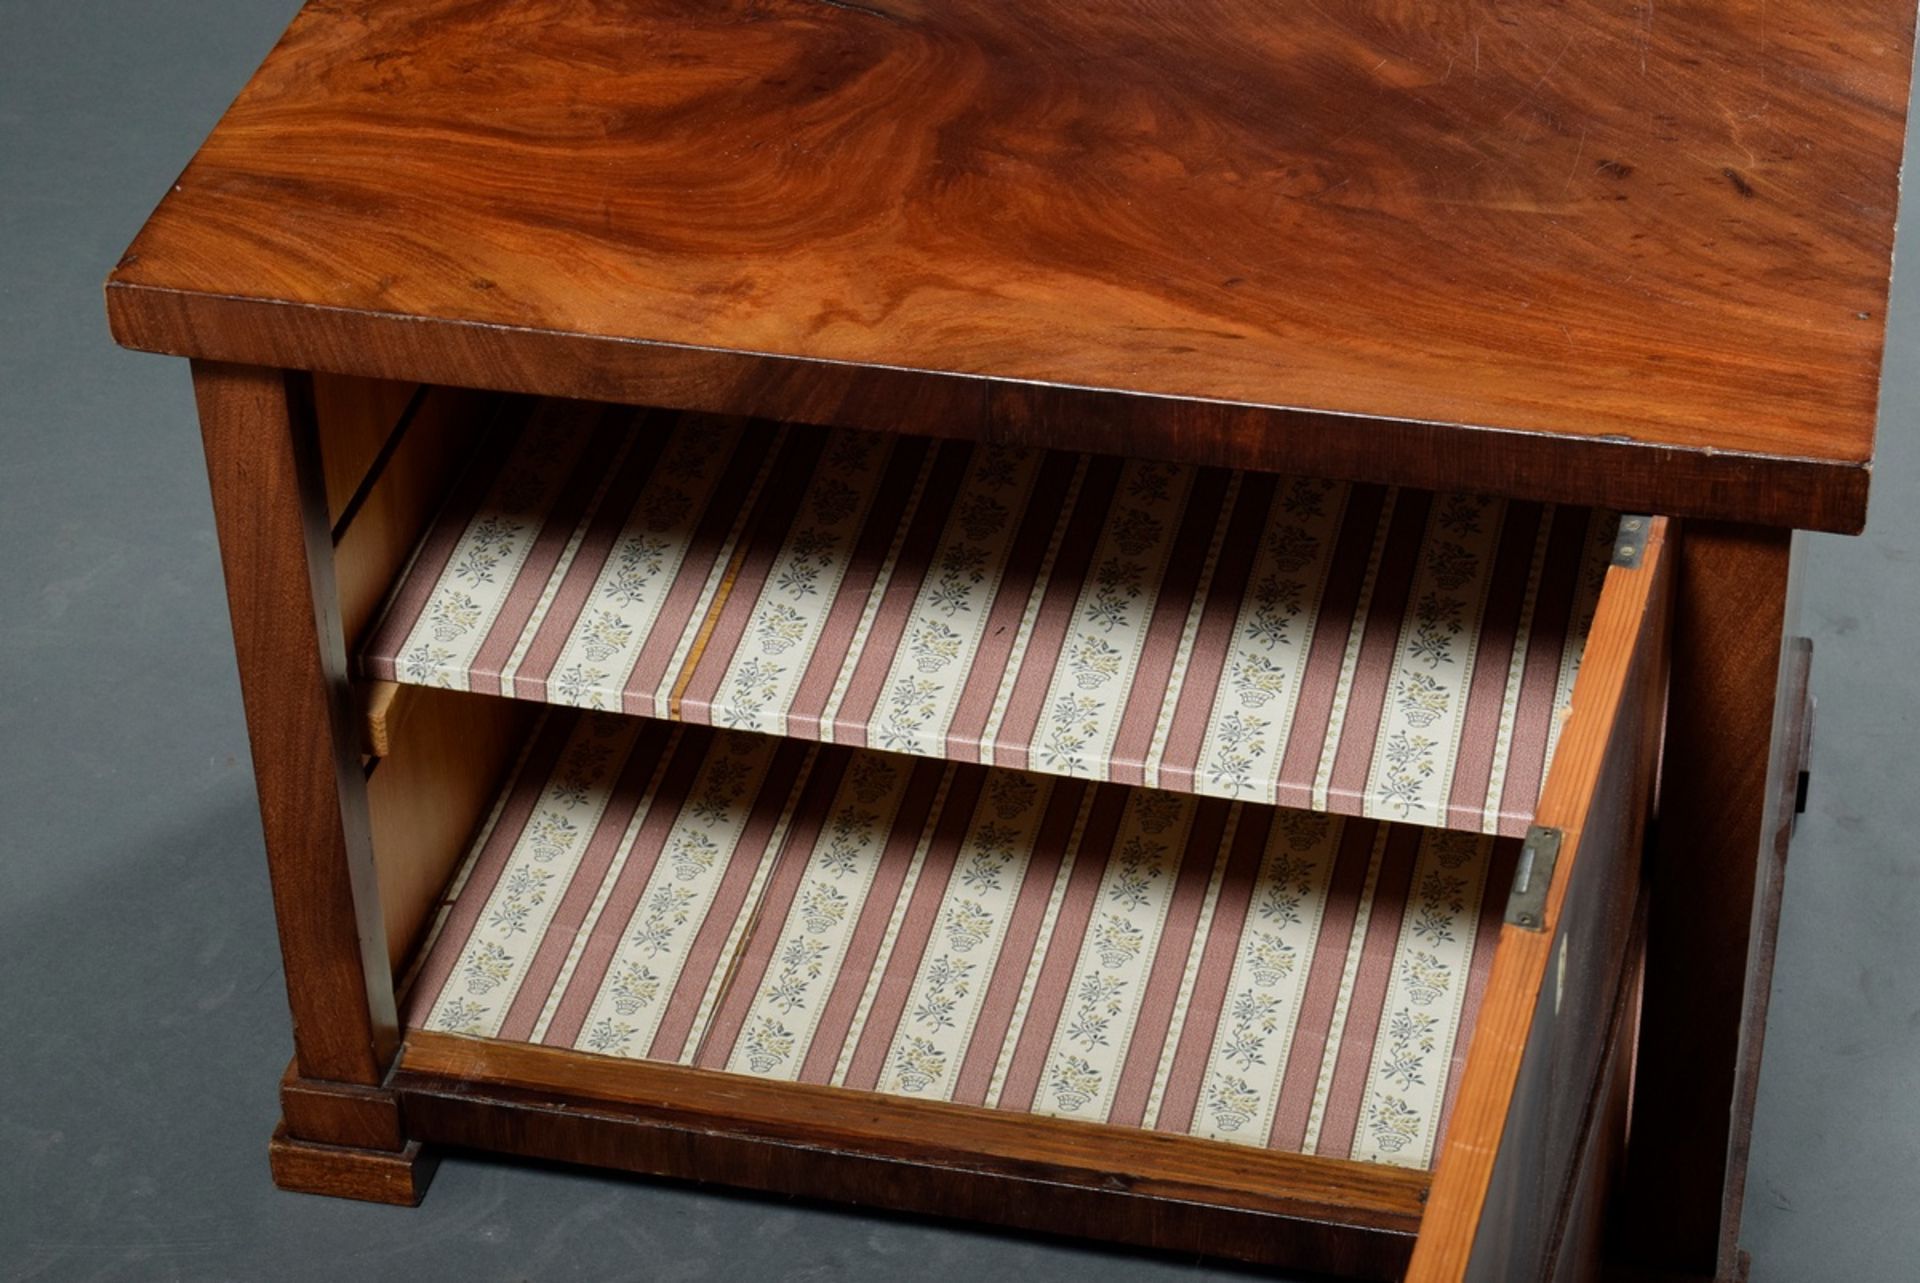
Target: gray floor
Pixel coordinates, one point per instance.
(142, 1023)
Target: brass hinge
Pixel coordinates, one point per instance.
(1527, 902)
(1630, 544)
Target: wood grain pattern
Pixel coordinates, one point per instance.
(385, 706)
(1494, 1213)
(1579, 1254)
(1792, 756)
(369, 1175)
(342, 1114)
(398, 497)
(269, 502)
(356, 417)
(1657, 240)
(1120, 1184)
(427, 796)
(1720, 810)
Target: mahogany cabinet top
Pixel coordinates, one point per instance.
(1619, 253)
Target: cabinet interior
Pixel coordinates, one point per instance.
(1150, 796)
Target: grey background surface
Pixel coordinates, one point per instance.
(142, 1022)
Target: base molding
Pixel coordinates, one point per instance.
(371, 1175)
(344, 1114)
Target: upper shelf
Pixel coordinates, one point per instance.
(1573, 251)
(1394, 654)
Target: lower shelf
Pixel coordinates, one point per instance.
(1026, 943)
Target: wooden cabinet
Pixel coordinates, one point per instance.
(831, 601)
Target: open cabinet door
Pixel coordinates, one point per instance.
(1510, 1176)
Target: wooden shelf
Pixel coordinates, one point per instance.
(1391, 654)
(977, 935)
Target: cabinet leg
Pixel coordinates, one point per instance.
(339, 1171)
(269, 503)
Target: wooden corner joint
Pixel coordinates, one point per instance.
(345, 1115)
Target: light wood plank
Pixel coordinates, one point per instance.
(428, 793)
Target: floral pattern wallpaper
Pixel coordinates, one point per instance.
(514, 911)
(1094, 677)
(625, 599)
(1251, 721)
(1434, 660)
(1253, 1041)
(801, 586)
(1117, 952)
(832, 883)
(981, 913)
(1342, 648)
(1016, 940)
(945, 622)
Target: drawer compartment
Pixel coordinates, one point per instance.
(1392, 654)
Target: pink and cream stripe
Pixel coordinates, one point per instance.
(1386, 654)
(1014, 940)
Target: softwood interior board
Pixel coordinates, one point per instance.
(1393, 654)
(940, 931)
(356, 419)
(427, 795)
(402, 489)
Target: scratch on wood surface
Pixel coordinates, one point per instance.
(1574, 168)
(1529, 97)
(1552, 66)
(869, 10)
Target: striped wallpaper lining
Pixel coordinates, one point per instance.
(1353, 649)
(1000, 938)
